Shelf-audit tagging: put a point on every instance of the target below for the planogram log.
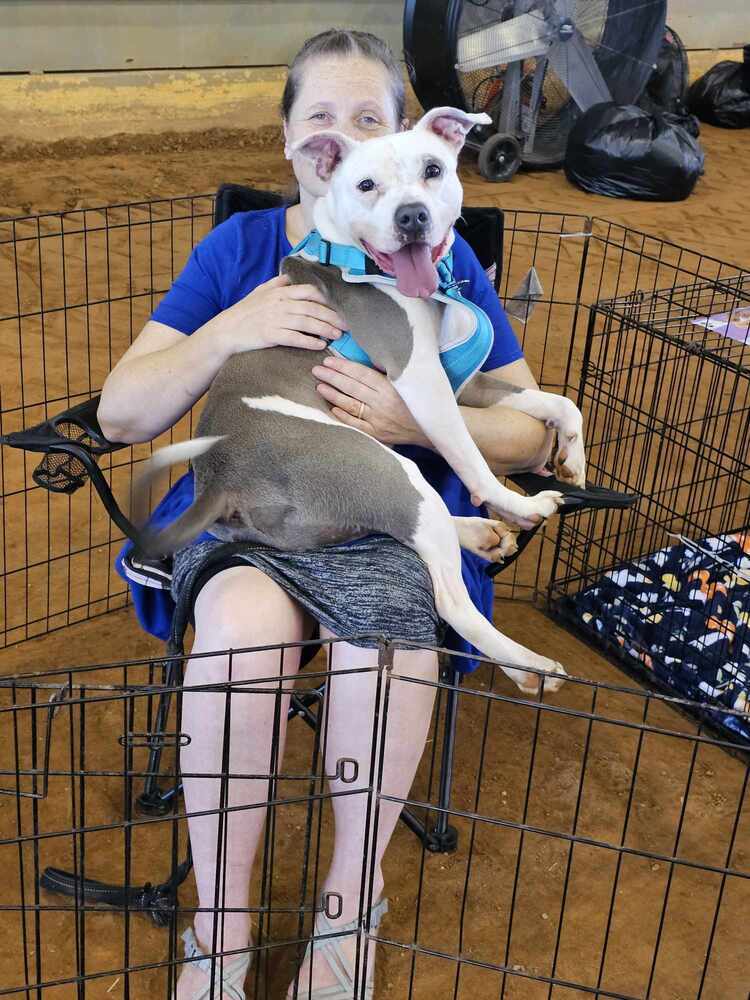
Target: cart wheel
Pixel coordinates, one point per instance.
(500, 157)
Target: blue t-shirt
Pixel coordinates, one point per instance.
(232, 260)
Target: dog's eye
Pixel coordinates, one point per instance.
(366, 185)
(432, 170)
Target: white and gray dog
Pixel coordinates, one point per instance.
(274, 466)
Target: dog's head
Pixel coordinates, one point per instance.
(396, 197)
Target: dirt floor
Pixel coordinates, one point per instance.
(604, 781)
(74, 174)
(560, 776)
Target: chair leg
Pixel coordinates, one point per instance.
(301, 705)
(442, 838)
(159, 901)
(153, 801)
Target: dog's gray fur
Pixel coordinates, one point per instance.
(259, 483)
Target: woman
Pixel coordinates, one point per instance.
(229, 299)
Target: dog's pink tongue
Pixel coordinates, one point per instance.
(416, 275)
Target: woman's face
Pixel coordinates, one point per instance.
(349, 94)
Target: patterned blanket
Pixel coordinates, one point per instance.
(683, 612)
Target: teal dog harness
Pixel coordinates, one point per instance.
(463, 347)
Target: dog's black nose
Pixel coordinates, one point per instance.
(413, 220)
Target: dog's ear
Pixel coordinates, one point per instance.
(451, 124)
(326, 149)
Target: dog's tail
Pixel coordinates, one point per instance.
(200, 515)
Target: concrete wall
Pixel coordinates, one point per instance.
(51, 106)
(703, 24)
(46, 35)
(49, 36)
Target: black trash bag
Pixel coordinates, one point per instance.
(722, 95)
(687, 121)
(667, 87)
(621, 151)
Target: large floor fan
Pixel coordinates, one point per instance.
(533, 65)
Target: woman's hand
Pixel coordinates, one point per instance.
(364, 398)
(278, 313)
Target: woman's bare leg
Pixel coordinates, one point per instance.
(238, 607)
(350, 730)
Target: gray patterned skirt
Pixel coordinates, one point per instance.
(373, 585)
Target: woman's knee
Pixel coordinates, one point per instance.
(416, 664)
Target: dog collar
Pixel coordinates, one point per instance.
(346, 258)
(461, 354)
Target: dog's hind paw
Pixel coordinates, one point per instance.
(487, 538)
(553, 678)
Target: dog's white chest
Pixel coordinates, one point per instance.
(445, 323)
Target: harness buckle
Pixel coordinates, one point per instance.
(327, 245)
(454, 284)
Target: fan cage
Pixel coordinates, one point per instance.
(546, 112)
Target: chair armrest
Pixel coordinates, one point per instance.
(577, 499)
(78, 425)
(71, 443)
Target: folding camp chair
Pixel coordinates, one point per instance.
(72, 442)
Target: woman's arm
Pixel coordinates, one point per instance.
(158, 379)
(509, 440)
(164, 372)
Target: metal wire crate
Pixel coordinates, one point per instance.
(665, 391)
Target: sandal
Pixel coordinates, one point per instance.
(229, 976)
(338, 962)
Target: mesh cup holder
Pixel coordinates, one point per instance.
(58, 471)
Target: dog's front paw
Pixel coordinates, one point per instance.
(569, 460)
(520, 511)
(541, 506)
